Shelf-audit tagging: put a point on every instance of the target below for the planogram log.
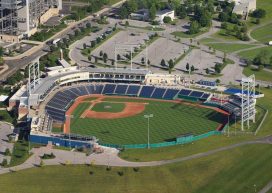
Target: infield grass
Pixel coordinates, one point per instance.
(108, 107)
(170, 120)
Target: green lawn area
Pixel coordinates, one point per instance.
(249, 164)
(186, 35)
(20, 153)
(5, 116)
(228, 48)
(260, 75)
(251, 54)
(108, 107)
(263, 34)
(170, 120)
(90, 99)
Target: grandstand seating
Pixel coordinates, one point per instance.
(82, 90)
(196, 94)
(109, 89)
(207, 83)
(170, 93)
(205, 96)
(147, 91)
(158, 93)
(133, 89)
(185, 92)
(121, 89)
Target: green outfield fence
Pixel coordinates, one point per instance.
(179, 141)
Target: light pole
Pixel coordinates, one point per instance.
(148, 133)
(69, 122)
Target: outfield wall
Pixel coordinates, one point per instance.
(42, 139)
(179, 141)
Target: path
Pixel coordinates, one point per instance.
(255, 28)
(266, 188)
(110, 157)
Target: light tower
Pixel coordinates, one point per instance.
(248, 100)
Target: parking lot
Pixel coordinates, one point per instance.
(135, 39)
(5, 130)
(162, 48)
(201, 59)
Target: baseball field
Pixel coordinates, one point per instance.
(120, 120)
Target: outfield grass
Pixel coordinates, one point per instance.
(228, 48)
(108, 107)
(169, 121)
(233, 171)
(263, 34)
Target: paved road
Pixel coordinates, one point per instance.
(266, 188)
(24, 59)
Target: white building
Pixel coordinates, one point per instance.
(243, 7)
(164, 13)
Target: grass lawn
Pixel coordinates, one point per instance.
(186, 35)
(20, 153)
(108, 107)
(203, 175)
(260, 75)
(228, 48)
(5, 116)
(251, 54)
(90, 99)
(170, 120)
(263, 34)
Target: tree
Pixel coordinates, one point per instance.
(101, 53)
(84, 46)
(88, 25)
(7, 152)
(4, 162)
(163, 62)
(143, 60)
(77, 32)
(259, 13)
(194, 27)
(223, 17)
(192, 68)
(260, 67)
(105, 57)
(148, 62)
(167, 19)
(112, 62)
(187, 66)
(118, 57)
(170, 66)
(207, 71)
(152, 12)
(41, 163)
(217, 68)
(263, 58)
(127, 23)
(90, 58)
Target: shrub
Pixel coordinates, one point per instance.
(120, 173)
(136, 169)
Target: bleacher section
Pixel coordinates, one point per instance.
(62, 100)
(121, 89)
(158, 93)
(170, 94)
(147, 91)
(133, 90)
(109, 89)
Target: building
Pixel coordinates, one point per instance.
(244, 7)
(142, 15)
(164, 13)
(20, 18)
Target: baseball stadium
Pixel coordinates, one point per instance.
(124, 108)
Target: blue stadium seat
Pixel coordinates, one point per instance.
(147, 91)
(185, 92)
(133, 90)
(109, 89)
(97, 89)
(205, 96)
(196, 94)
(170, 94)
(158, 93)
(82, 90)
(121, 89)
